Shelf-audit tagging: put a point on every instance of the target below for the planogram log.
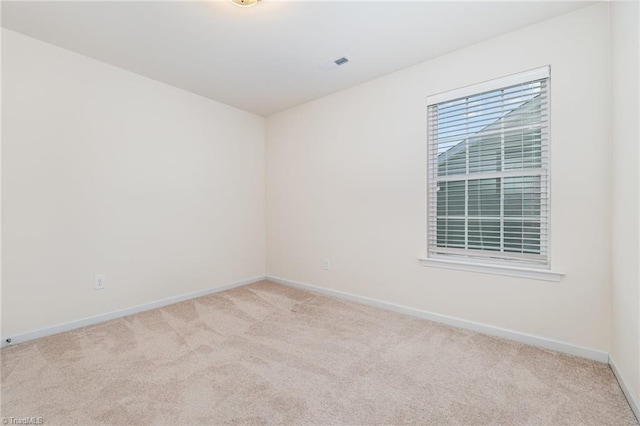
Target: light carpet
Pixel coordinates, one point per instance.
(270, 354)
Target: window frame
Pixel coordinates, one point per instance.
(499, 261)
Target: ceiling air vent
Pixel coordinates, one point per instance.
(341, 61)
(334, 64)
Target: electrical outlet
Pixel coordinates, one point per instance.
(326, 264)
(99, 281)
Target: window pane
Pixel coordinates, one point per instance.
(451, 198)
(522, 236)
(484, 234)
(451, 233)
(484, 154)
(527, 113)
(484, 197)
(523, 150)
(522, 196)
(453, 161)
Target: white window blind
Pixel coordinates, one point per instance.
(488, 186)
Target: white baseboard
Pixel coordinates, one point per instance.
(631, 399)
(72, 325)
(516, 336)
(529, 339)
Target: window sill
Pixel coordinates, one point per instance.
(508, 270)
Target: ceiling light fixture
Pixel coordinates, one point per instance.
(245, 3)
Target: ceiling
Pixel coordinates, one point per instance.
(270, 57)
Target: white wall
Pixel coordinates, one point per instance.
(105, 171)
(625, 49)
(346, 180)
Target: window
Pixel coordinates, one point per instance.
(488, 189)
